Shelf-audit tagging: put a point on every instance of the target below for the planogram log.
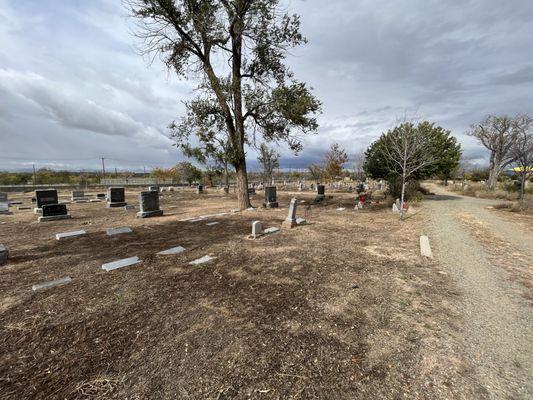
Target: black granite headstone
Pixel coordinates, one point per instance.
(321, 190)
(45, 197)
(270, 197)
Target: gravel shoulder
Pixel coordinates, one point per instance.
(477, 247)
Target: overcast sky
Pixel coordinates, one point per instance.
(73, 87)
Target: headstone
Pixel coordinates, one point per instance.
(199, 189)
(78, 196)
(46, 196)
(257, 229)
(202, 260)
(4, 208)
(290, 222)
(46, 285)
(52, 212)
(149, 204)
(121, 263)
(3, 197)
(4, 254)
(118, 231)
(173, 250)
(116, 197)
(321, 193)
(270, 197)
(397, 204)
(66, 235)
(153, 188)
(251, 191)
(395, 208)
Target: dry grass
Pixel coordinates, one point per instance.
(343, 307)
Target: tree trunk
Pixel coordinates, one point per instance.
(242, 185)
(494, 172)
(402, 197)
(226, 175)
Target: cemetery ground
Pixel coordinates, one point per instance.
(342, 307)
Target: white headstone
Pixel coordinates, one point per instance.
(257, 228)
(395, 208)
(425, 248)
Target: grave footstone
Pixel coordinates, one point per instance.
(4, 254)
(149, 205)
(53, 212)
(202, 260)
(46, 285)
(45, 197)
(257, 229)
(173, 250)
(290, 222)
(126, 262)
(270, 197)
(271, 230)
(67, 235)
(118, 231)
(116, 197)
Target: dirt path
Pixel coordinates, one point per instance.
(478, 247)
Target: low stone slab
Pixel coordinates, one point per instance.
(15, 202)
(95, 200)
(129, 207)
(271, 230)
(196, 220)
(202, 260)
(66, 235)
(46, 285)
(148, 214)
(125, 262)
(300, 221)
(213, 223)
(341, 209)
(118, 231)
(21, 208)
(173, 250)
(425, 248)
(53, 218)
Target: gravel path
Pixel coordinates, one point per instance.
(498, 322)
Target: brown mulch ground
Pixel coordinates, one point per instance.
(343, 307)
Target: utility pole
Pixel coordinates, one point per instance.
(115, 172)
(34, 177)
(103, 168)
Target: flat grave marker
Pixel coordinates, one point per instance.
(271, 230)
(173, 250)
(67, 235)
(202, 260)
(47, 285)
(118, 231)
(125, 262)
(213, 223)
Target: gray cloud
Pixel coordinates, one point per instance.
(76, 78)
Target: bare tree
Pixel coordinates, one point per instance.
(498, 135)
(406, 150)
(358, 164)
(316, 171)
(269, 160)
(522, 151)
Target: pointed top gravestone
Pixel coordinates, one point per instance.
(290, 222)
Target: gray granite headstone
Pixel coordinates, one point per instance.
(3, 197)
(116, 197)
(270, 197)
(46, 196)
(149, 204)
